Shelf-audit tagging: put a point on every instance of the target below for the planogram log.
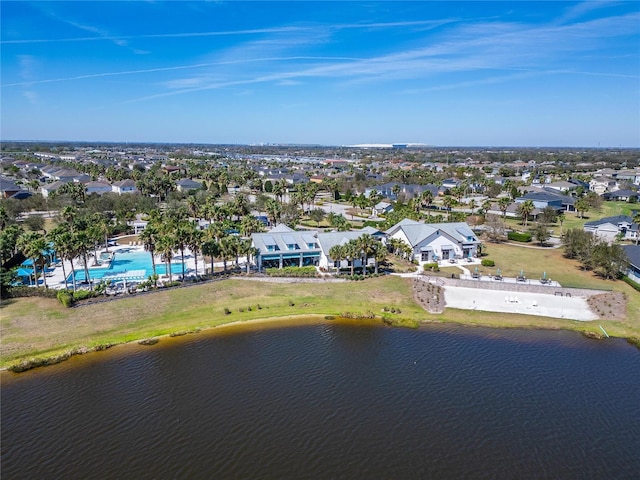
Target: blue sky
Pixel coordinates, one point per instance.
(542, 73)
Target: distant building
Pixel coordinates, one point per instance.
(98, 187)
(186, 184)
(124, 186)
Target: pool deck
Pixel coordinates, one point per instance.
(56, 278)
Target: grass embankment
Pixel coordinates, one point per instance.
(43, 327)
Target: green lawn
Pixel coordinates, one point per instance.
(43, 327)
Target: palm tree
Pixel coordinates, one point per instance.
(83, 242)
(149, 237)
(227, 250)
(379, 254)
(246, 248)
(525, 209)
(503, 204)
(181, 236)
(366, 244)
(194, 242)
(338, 253)
(164, 245)
(62, 241)
(33, 246)
(560, 218)
(448, 201)
(250, 225)
(426, 198)
(211, 248)
(352, 251)
(69, 214)
(274, 210)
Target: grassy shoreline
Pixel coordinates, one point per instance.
(38, 328)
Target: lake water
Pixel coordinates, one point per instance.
(332, 400)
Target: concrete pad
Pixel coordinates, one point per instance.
(523, 303)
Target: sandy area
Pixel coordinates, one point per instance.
(573, 308)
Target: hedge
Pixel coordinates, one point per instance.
(487, 263)
(634, 285)
(519, 237)
(433, 267)
(16, 292)
(309, 271)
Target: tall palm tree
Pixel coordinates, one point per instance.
(503, 204)
(165, 245)
(246, 249)
(337, 253)
(194, 242)
(274, 210)
(352, 251)
(448, 201)
(83, 243)
(62, 239)
(227, 249)
(366, 244)
(181, 234)
(211, 248)
(149, 237)
(379, 254)
(525, 209)
(427, 198)
(33, 246)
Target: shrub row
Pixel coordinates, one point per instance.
(17, 292)
(519, 237)
(309, 271)
(634, 285)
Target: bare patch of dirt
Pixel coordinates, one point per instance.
(428, 295)
(609, 306)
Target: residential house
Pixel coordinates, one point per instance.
(382, 208)
(436, 242)
(8, 187)
(633, 255)
(561, 187)
(609, 228)
(409, 191)
(602, 185)
(124, 186)
(543, 198)
(622, 195)
(98, 187)
(631, 176)
(50, 188)
(186, 184)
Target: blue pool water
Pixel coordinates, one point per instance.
(128, 265)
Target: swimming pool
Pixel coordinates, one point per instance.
(129, 265)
